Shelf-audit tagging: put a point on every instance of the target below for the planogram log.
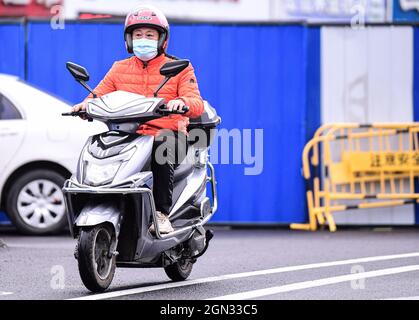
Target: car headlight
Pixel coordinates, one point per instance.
(100, 174)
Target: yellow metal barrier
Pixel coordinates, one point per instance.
(353, 166)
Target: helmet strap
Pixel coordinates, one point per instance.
(128, 42)
(162, 39)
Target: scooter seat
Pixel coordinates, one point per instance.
(182, 171)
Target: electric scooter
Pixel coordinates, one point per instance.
(109, 200)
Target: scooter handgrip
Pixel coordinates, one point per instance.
(165, 111)
(74, 113)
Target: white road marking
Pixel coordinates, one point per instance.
(170, 285)
(315, 283)
(404, 298)
(3, 293)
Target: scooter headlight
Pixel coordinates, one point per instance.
(100, 174)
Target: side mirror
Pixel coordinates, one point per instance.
(173, 68)
(78, 72)
(81, 75)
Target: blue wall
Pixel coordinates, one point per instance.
(12, 49)
(255, 76)
(95, 46)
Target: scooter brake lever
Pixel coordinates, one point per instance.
(167, 111)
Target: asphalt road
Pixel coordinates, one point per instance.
(240, 264)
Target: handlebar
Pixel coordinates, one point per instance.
(163, 111)
(81, 113)
(74, 113)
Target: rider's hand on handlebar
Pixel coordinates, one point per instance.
(80, 107)
(175, 105)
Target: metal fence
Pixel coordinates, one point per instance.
(359, 166)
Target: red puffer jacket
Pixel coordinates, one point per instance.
(134, 76)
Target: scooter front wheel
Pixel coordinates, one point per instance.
(180, 270)
(96, 268)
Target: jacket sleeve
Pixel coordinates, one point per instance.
(188, 91)
(107, 85)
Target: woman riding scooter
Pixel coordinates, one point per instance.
(147, 35)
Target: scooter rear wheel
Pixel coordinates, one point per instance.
(179, 271)
(95, 267)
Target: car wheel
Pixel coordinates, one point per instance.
(35, 202)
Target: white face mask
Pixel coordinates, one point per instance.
(145, 49)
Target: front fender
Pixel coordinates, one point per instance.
(95, 214)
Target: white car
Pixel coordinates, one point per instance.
(39, 150)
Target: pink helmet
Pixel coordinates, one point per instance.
(147, 16)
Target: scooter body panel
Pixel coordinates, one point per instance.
(94, 214)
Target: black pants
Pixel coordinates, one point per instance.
(169, 150)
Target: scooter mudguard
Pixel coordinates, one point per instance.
(98, 213)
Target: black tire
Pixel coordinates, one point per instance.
(12, 202)
(179, 271)
(92, 246)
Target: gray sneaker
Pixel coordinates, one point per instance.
(164, 224)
